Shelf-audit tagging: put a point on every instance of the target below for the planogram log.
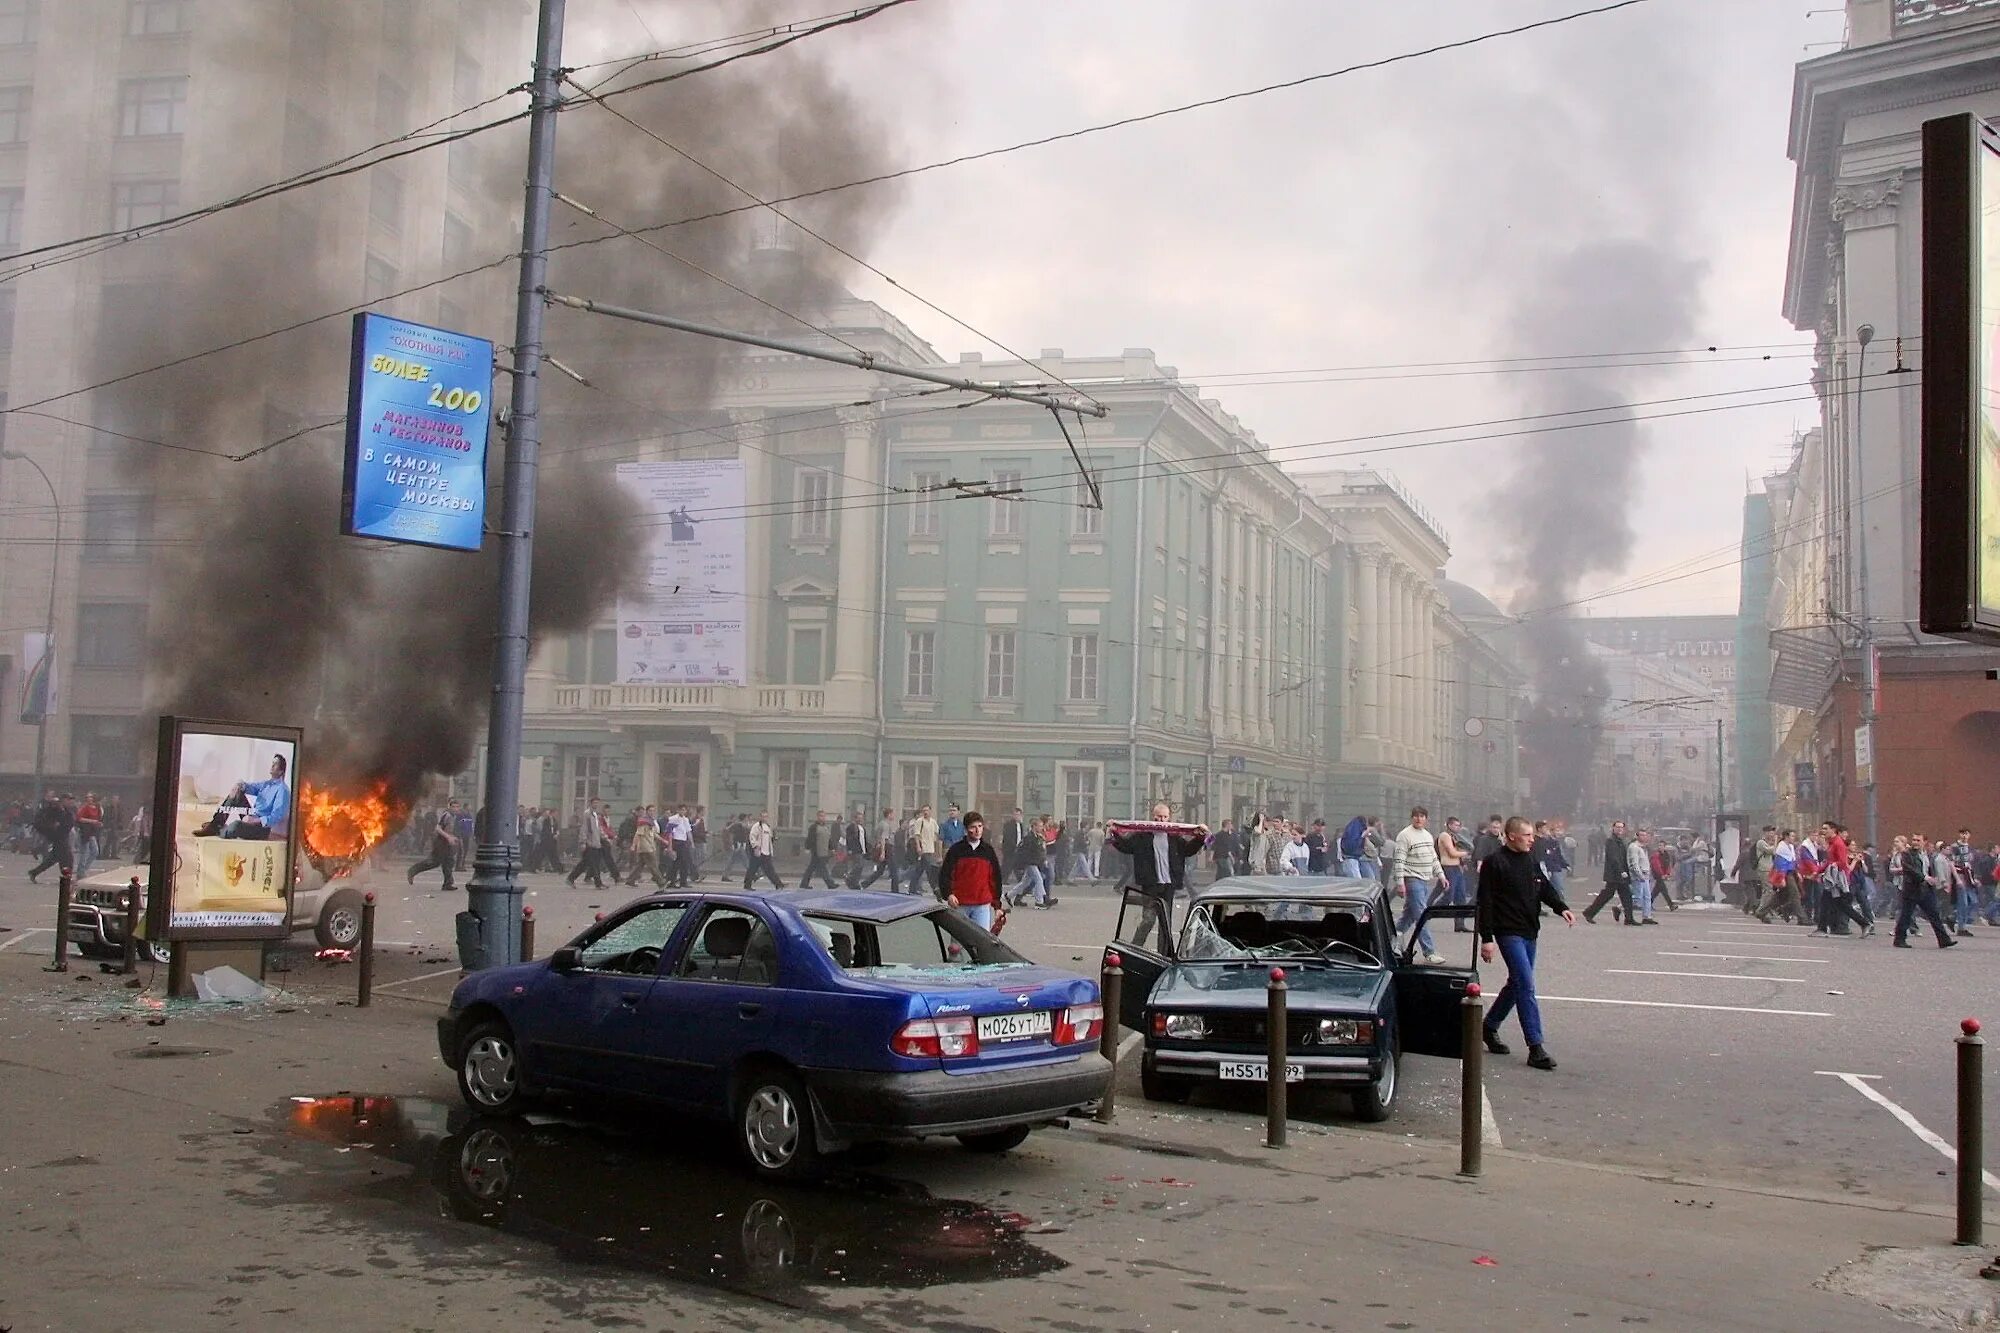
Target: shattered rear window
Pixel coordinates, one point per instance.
(933, 943)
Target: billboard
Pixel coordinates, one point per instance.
(419, 401)
(225, 840)
(686, 623)
(1959, 547)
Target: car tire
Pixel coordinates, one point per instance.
(339, 924)
(490, 1077)
(1160, 1087)
(1376, 1102)
(996, 1140)
(773, 1123)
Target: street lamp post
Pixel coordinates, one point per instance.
(49, 624)
(1865, 335)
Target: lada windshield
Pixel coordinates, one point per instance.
(939, 941)
(1277, 928)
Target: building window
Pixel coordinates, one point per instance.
(812, 492)
(17, 21)
(457, 239)
(103, 744)
(808, 654)
(788, 792)
(16, 108)
(920, 663)
(916, 781)
(1006, 514)
(584, 772)
(385, 198)
(379, 279)
(924, 519)
(1083, 668)
(1000, 664)
(1079, 793)
(115, 527)
(151, 107)
(136, 204)
(110, 634)
(13, 206)
(1089, 517)
(158, 18)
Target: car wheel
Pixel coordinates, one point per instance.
(1374, 1102)
(774, 1124)
(339, 924)
(1160, 1087)
(489, 1069)
(996, 1140)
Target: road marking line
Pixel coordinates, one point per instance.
(1738, 957)
(1667, 1004)
(1910, 1122)
(1712, 976)
(1489, 1125)
(1766, 944)
(411, 981)
(31, 930)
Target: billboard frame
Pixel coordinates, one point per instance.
(166, 806)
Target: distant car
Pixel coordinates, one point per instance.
(1354, 1007)
(810, 1021)
(330, 909)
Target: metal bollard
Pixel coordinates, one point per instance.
(367, 950)
(1111, 991)
(527, 934)
(1274, 1070)
(64, 886)
(1971, 1135)
(131, 927)
(1472, 1078)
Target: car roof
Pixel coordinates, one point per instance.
(858, 904)
(1314, 888)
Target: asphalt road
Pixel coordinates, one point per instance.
(1709, 1045)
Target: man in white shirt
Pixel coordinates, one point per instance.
(763, 844)
(1417, 867)
(923, 866)
(1639, 854)
(680, 832)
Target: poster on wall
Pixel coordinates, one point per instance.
(224, 858)
(686, 623)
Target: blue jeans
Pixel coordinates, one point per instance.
(980, 916)
(1416, 897)
(1350, 866)
(1642, 897)
(1035, 877)
(1518, 951)
(1454, 880)
(1965, 904)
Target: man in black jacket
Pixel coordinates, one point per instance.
(1617, 877)
(54, 820)
(1513, 889)
(1159, 865)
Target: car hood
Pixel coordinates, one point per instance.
(1235, 986)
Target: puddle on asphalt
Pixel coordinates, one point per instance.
(603, 1193)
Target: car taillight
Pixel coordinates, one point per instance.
(1079, 1022)
(936, 1038)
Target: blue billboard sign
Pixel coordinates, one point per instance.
(418, 404)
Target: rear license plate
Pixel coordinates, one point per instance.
(1258, 1071)
(1016, 1027)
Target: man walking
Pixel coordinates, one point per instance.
(819, 844)
(1617, 877)
(444, 852)
(55, 822)
(1513, 889)
(923, 852)
(1964, 884)
(886, 830)
(1454, 850)
(1639, 855)
(952, 827)
(763, 846)
(969, 877)
(1353, 841)
(854, 839)
(1916, 865)
(589, 846)
(1032, 861)
(679, 848)
(1316, 850)
(1417, 867)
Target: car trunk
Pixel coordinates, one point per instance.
(1015, 1009)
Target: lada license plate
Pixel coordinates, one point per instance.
(1258, 1071)
(1016, 1027)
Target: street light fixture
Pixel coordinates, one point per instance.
(49, 625)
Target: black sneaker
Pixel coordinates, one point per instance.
(1946, 944)
(1539, 1058)
(1493, 1042)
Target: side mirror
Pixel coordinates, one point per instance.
(566, 959)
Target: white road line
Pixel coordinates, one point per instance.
(411, 981)
(1666, 1004)
(1489, 1126)
(1762, 944)
(1710, 976)
(1910, 1122)
(22, 935)
(1738, 957)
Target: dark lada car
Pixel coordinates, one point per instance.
(810, 1021)
(1355, 1006)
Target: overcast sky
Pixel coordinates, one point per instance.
(1399, 215)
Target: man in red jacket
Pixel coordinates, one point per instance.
(970, 876)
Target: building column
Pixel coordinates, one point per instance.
(761, 609)
(853, 642)
(1384, 650)
(1401, 666)
(1368, 692)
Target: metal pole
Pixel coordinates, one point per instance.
(1274, 1069)
(1864, 335)
(527, 934)
(64, 884)
(1471, 1080)
(49, 624)
(367, 948)
(1721, 810)
(1971, 1135)
(493, 895)
(131, 927)
(1112, 993)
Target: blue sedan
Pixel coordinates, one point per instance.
(810, 1021)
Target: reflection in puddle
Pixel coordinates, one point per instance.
(600, 1194)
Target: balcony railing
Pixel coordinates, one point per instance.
(762, 700)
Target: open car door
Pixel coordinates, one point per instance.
(1138, 919)
(1428, 996)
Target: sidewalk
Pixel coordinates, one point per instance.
(148, 1180)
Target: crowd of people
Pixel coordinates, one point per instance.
(1823, 880)
(73, 835)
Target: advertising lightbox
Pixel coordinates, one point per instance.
(419, 401)
(226, 836)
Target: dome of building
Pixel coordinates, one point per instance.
(1469, 603)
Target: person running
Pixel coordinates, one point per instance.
(444, 853)
(1916, 868)
(1417, 868)
(1617, 878)
(1513, 889)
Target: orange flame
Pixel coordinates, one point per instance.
(337, 825)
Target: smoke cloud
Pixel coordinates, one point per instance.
(262, 610)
